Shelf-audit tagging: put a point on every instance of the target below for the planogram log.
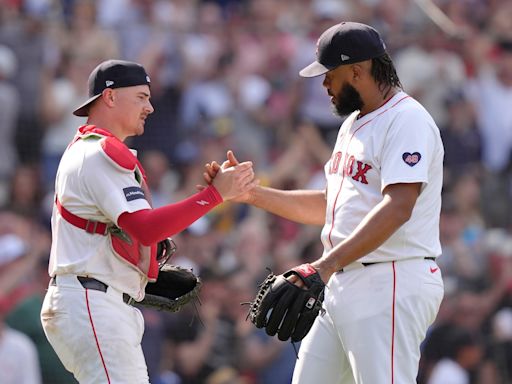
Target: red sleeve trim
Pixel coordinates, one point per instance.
(150, 226)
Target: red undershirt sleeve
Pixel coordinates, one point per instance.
(150, 226)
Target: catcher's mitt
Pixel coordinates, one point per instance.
(174, 288)
(286, 309)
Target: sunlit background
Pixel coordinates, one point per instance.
(225, 76)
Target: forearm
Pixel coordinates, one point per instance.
(16, 272)
(378, 226)
(301, 206)
(13, 276)
(153, 225)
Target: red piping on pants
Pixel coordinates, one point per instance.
(95, 336)
(393, 327)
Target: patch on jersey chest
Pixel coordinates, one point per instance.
(411, 159)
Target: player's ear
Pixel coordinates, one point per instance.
(356, 71)
(108, 96)
(360, 69)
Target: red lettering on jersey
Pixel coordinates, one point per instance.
(349, 165)
(362, 168)
(335, 163)
(358, 175)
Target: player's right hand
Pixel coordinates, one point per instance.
(235, 180)
(212, 169)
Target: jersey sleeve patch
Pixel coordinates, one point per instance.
(411, 159)
(118, 154)
(133, 193)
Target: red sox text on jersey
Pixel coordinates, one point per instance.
(352, 167)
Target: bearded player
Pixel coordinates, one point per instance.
(380, 216)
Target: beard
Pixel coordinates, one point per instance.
(347, 100)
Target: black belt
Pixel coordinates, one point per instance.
(379, 262)
(91, 283)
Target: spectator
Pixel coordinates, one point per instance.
(84, 39)
(9, 108)
(18, 357)
(461, 138)
(430, 72)
(28, 38)
(491, 92)
(26, 193)
(271, 359)
(501, 347)
(160, 177)
(312, 104)
(63, 93)
(463, 356)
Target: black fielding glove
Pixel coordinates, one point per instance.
(284, 308)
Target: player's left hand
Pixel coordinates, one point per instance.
(211, 169)
(283, 307)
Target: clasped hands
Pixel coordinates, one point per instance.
(233, 180)
(212, 172)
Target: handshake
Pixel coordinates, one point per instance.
(287, 304)
(233, 180)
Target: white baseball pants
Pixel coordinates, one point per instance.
(376, 318)
(95, 334)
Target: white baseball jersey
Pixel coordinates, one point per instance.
(397, 143)
(377, 315)
(91, 187)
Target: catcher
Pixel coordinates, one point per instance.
(108, 243)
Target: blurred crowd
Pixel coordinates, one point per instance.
(225, 76)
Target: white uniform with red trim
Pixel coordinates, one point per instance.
(377, 315)
(95, 334)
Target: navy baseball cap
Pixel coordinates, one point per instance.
(112, 74)
(344, 43)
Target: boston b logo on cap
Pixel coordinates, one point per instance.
(112, 74)
(344, 43)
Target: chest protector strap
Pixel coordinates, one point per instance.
(88, 226)
(128, 249)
